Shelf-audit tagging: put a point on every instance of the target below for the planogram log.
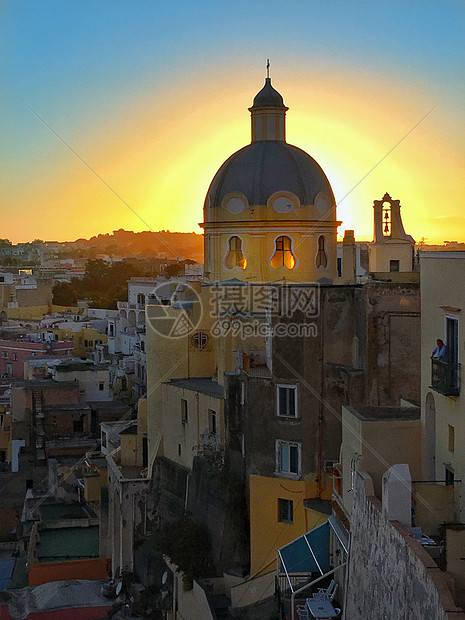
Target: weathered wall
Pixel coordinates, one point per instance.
(393, 342)
(44, 572)
(40, 296)
(217, 501)
(390, 575)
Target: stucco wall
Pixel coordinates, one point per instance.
(390, 575)
(443, 294)
(44, 572)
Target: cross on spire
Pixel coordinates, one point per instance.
(267, 67)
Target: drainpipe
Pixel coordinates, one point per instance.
(321, 405)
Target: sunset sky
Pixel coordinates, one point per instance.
(154, 95)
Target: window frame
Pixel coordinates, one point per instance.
(213, 422)
(184, 411)
(449, 349)
(290, 387)
(236, 253)
(281, 251)
(280, 471)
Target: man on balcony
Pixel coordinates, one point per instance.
(440, 351)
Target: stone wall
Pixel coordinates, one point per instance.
(390, 576)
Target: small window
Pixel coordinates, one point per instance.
(140, 298)
(101, 386)
(288, 458)
(235, 257)
(449, 477)
(179, 449)
(124, 384)
(285, 510)
(9, 370)
(5, 354)
(451, 438)
(212, 426)
(287, 401)
(78, 426)
(184, 413)
(339, 267)
(283, 256)
(321, 258)
(394, 265)
(14, 356)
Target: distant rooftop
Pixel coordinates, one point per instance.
(67, 407)
(379, 414)
(68, 543)
(79, 366)
(200, 384)
(32, 383)
(130, 430)
(99, 461)
(59, 511)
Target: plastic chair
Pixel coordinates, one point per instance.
(303, 612)
(327, 593)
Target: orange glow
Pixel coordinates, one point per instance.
(161, 155)
(283, 256)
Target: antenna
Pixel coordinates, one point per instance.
(268, 68)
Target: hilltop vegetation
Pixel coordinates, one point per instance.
(121, 242)
(103, 284)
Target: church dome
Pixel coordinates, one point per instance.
(268, 97)
(265, 167)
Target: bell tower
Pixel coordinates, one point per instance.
(392, 249)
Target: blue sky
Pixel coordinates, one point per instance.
(85, 65)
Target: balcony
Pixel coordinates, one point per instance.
(445, 377)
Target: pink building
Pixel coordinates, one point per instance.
(13, 353)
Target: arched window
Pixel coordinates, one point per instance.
(235, 257)
(283, 256)
(321, 258)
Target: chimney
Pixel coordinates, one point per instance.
(348, 258)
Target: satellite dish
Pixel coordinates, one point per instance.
(119, 588)
(164, 577)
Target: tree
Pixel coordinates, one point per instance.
(173, 270)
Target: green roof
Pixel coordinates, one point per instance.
(68, 543)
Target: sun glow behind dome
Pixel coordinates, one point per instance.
(162, 164)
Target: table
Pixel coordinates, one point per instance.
(321, 608)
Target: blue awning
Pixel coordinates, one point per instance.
(6, 570)
(308, 553)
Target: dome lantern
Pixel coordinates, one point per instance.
(268, 114)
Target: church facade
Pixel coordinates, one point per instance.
(247, 372)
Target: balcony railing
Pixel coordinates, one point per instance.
(445, 377)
